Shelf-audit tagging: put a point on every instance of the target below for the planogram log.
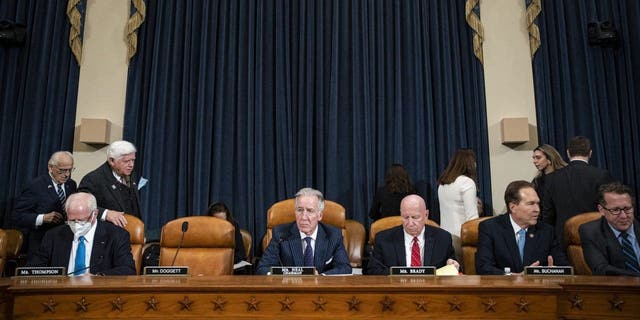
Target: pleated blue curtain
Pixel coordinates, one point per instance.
(587, 90)
(38, 94)
(248, 101)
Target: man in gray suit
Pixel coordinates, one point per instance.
(610, 244)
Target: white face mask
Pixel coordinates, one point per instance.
(79, 228)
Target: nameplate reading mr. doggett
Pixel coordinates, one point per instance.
(549, 271)
(40, 272)
(293, 271)
(166, 271)
(412, 271)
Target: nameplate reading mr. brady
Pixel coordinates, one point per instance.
(412, 271)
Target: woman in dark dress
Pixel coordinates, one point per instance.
(220, 210)
(397, 185)
(546, 159)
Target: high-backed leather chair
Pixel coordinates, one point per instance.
(207, 247)
(356, 236)
(469, 243)
(573, 243)
(14, 240)
(3, 249)
(135, 227)
(284, 212)
(246, 241)
(388, 223)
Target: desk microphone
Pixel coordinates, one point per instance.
(185, 227)
(99, 262)
(376, 260)
(280, 241)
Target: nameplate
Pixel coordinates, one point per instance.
(549, 271)
(293, 271)
(40, 272)
(412, 271)
(165, 271)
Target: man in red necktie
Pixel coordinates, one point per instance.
(413, 244)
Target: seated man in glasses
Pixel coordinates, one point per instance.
(85, 245)
(40, 206)
(610, 244)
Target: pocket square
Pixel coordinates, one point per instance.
(328, 261)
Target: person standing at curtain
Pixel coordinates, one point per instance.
(573, 189)
(40, 206)
(457, 195)
(221, 211)
(397, 185)
(547, 160)
(113, 185)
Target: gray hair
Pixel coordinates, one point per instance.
(119, 149)
(311, 192)
(84, 197)
(55, 157)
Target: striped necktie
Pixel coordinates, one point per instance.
(416, 260)
(61, 196)
(630, 259)
(308, 253)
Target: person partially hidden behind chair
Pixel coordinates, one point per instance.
(85, 245)
(219, 210)
(307, 241)
(610, 244)
(413, 244)
(516, 239)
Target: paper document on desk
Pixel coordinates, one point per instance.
(241, 264)
(448, 270)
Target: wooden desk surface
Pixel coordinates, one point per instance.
(464, 297)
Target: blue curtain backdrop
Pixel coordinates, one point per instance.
(591, 91)
(38, 93)
(247, 101)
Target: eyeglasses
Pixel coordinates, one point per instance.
(303, 212)
(61, 171)
(617, 211)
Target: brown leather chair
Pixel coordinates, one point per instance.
(356, 236)
(469, 243)
(573, 243)
(3, 249)
(284, 212)
(388, 223)
(135, 227)
(246, 241)
(14, 241)
(207, 247)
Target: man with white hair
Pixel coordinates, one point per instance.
(113, 185)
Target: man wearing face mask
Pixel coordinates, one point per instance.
(85, 245)
(113, 185)
(40, 206)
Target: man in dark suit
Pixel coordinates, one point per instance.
(307, 241)
(85, 244)
(516, 239)
(573, 189)
(413, 244)
(610, 244)
(40, 206)
(113, 186)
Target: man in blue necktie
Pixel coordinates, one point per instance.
(517, 239)
(85, 245)
(307, 241)
(610, 244)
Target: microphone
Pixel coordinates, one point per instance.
(373, 258)
(99, 262)
(280, 241)
(185, 227)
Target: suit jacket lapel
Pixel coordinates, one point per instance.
(107, 174)
(98, 248)
(399, 248)
(429, 243)
(295, 245)
(509, 238)
(65, 245)
(320, 249)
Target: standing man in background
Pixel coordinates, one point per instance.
(113, 185)
(573, 189)
(40, 207)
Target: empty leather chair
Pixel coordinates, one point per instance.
(207, 247)
(3, 249)
(574, 245)
(469, 241)
(356, 237)
(14, 242)
(284, 212)
(135, 227)
(388, 223)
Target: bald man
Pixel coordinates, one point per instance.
(413, 244)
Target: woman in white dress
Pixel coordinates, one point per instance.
(457, 195)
